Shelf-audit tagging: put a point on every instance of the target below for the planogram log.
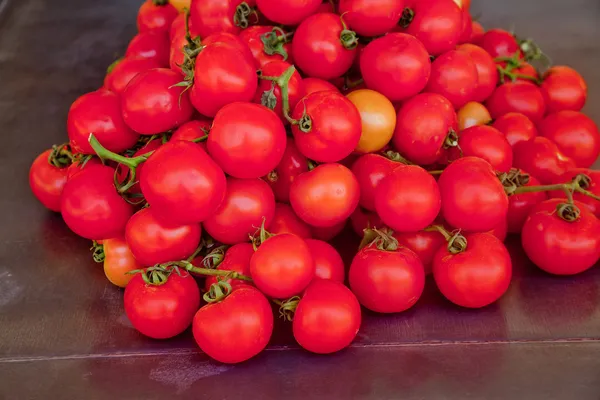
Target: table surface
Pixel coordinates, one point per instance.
(63, 332)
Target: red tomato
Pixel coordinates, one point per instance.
(500, 231)
(253, 37)
(467, 27)
(516, 127)
(328, 232)
(541, 157)
(235, 329)
(325, 196)
(485, 142)
(594, 187)
(328, 262)
(476, 277)
(275, 102)
(423, 123)
(178, 26)
(123, 171)
(564, 89)
(499, 43)
(520, 205)
(247, 140)
(370, 169)
(216, 16)
(558, 246)
(176, 53)
(47, 181)
(99, 113)
(327, 318)
(423, 243)
(237, 258)
(118, 262)
(288, 12)
(286, 221)
(486, 204)
(152, 45)
(334, 128)
(575, 134)
(396, 65)
(454, 76)
(292, 164)
(192, 130)
(231, 40)
(157, 16)
(313, 85)
(371, 18)
(77, 167)
(126, 70)
(408, 199)
(524, 73)
(487, 72)
(282, 266)
(91, 206)
(362, 219)
(182, 183)
(522, 97)
(162, 311)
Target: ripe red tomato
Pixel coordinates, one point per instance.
(485, 142)
(327, 318)
(235, 329)
(325, 196)
(524, 73)
(152, 45)
(91, 206)
(119, 261)
(520, 205)
(423, 123)
(282, 266)
(362, 219)
(178, 25)
(396, 65)
(177, 53)
(594, 187)
(423, 243)
(558, 246)
(454, 76)
(408, 199)
(467, 27)
(370, 169)
(328, 232)
(522, 97)
(117, 79)
(253, 37)
(274, 101)
(313, 85)
(500, 231)
(157, 16)
(286, 221)
(230, 40)
(192, 130)
(371, 18)
(237, 258)
(542, 158)
(216, 16)
(288, 12)
(47, 181)
(564, 89)
(487, 72)
(99, 113)
(516, 127)
(486, 205)
(476, 277)
(328, 262)
(291, 165)
(499, 43)
(77, 167)
(575, 134)
(123, 171)
(162, 311)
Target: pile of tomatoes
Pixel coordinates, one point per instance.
(236, 138)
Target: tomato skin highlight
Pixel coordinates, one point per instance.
(288, 12)
(522, 97)
(119, 261)
(117, 80)
(563, 89)
(370, 170)
(157, 18)
(378, 118)
(499, 43)
(328, 262)
(369, 17)
(47, 181)
(454, 76)
(286, 221)
(541, 157)
(516, 127)
(151, 45)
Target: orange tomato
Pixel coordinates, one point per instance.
(181, 4)
(378, 118)
(472, 114)
(118, 261)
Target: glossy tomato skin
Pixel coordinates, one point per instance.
(408, 199)
(116, 81)
(424, 244)
(325, 196)
(99, 113)
(157, 18)
(163, 311)
(542, 158)
(118, 261)
(247, 203)
(247, 140)
(192, 130)
(216, 16)
(487, 203)
(47, 181)
(557, 246)
(387, 281)
(328, 262)
(563, 89)
(516, 127)
(235, 329)
(182, 183)
(473, 114)
(575, 134)
(292, 164)
(313, 85)
(295, 88)
(522, 97)
(152, 45)
(454, 76)
(327, 318)
(478, 276)
(237, 258)
(286, 221)
(592, 204)
(422, 125)
(91, 206)
(378, 118)
(288, 12)
(499, 43)
(520, 205)
(487, 73)
(370, 170)
(335, 130)
(396, 65)
(371, 18)
(151, 103)
(362, 219)
(282, 266)
(486, 142)
(252, 37)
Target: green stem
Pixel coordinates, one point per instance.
(200, 139)
(214, 272)
(283, 82)
(457, 243)
(106, 154)
(436, 172)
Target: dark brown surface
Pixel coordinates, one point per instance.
(63, 333)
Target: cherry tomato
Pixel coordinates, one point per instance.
(485, 142)
(521, 97)
(192, 130)
(477, 276)
(216, 16)
(594, 186)
(423, 243)
(499, 43)
(99, 113)
(325, 196)
(328, 232)
(292, 164)
(486, 204)
(156, 16)
(454, 76)
(473, 114)
(487, 73)
(286, 221)
(328, 262)
(126, 70)
(152, 45)
(282, 266)
(563, 89)
(269, 94)
(520, 205)
(47, 181)
(378, 118)
(235, 329)
(370, 169)
(313, 85)
(118, 261)
(236, 258)
(327, 318)
(558, 246)
(541, 157)
(362, 219)
(288, 12)
(371, 18)
(253, 37)
(396, 65)
(516, 127)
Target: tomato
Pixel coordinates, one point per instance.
(328, 262)
(152, 45)
(485, 142)
(286, 221)
(541, 157)
(126, 70)
(408, 199)
(522, 97)
(327, 318)
(253, 37)
(282, 266)
(423, 243)
(156, 15)
(370, 170)
(291, 165)
(288, 12)
(575, 134)
(99, 113)
(378, 118)
(520, 205)
(558, 246)
(328, 232)
(235, 329)
(465, 5)
(182, 183)
(77, 167)
(592, 204)
(524, 73)
(516, 127)
(123, 171)
(362, 219)
(499, 43)
(178, 26)
(313, 85)
(436, 23)
(47, 181)
(119, 261)
(181, 5)
(487, 73)
(91, 206)
(162, 311)
(177, 53)
(564, 89)
(422, 126)
(477, 32)
(454, 76)
(274, 100)
(477, 276)
(486, 204)
(332, 129)
(396, 65)
(500, 231)
(230, 40)
(371, 18)
(192, 130)
(325, 196)
(237, 258)
(216, 16)
(473, 114)
(467, 27)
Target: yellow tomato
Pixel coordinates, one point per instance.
(181, 4)
(118, 261)
(378, 118)
(472, 114)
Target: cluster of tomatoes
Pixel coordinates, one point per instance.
(236, 138)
